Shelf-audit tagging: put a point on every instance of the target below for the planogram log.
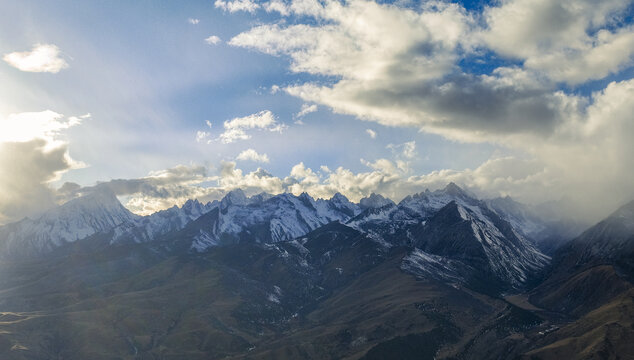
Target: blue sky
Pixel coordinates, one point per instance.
(450, 91)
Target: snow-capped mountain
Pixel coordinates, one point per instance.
(449, 223)
(389, 223)
(267, 219)
(97, 212)
(374, 201)
(476, 245)
(149, 228)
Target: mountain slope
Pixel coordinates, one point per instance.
(548, 232)
(334, 288)
(293, 279)
(270, 220)
(98, 212)
(477, 246)
(603, 254)
(590, 282)
(149, 228)
(388, 222)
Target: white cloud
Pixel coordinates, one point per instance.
(162, 189)
(560, 38)
(403, 70)
(252, 155)
(203, 136)
(551, 172)
(208, 123)
(33, 153)
(26, 169)
(42, 58)
(364, 40)
(403, 66)
(213, 40)
(236, 129)
(406, 150)
(400, 66)
(237, 5)
(305, 110)
(193, 21)
(607, 53)
(252, 183)
(371, 132)
(277, 6)
(46, 125)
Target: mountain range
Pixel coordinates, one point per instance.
(441, 274)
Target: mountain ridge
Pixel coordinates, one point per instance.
(428, 280)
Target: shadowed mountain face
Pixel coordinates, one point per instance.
(287, 277)
(481, 247)
(592, 269)
(611, 241)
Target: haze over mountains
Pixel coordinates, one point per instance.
(289, 276)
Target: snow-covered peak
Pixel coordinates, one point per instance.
(194, 208)
(151, 227)
(307, 199)
(192, 205)
(479, 238)
(424, 204)
(233, 197)
(99, 209)
(97, 212)
(340, 203)
(281, 217)
(374, 201)
(339, 198)
(454, 190)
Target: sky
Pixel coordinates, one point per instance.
(163, 101)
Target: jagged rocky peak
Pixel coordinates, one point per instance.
(305, 197)
(100, 202)
(191, 203)
(481, 240)
(374, 201)
(233, 197)
(96, 212)
(455, 190)
(194, 208)
(339, 198)
(341, 203)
